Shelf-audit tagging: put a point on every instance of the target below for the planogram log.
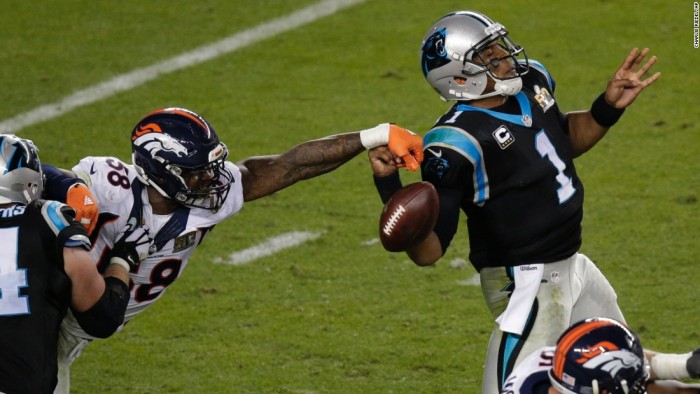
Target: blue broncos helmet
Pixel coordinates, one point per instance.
(448, 51)
(171, 147)
(21, 179)
(599, 354)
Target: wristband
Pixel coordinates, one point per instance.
(605, 114)
(670, 366)
(120, 262)
(388, 185)
(376, 136)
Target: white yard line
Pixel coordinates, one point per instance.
(196, 56)
(268, 247)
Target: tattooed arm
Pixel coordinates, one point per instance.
(264, 175)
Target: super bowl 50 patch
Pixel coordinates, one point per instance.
(184, 241)
(544, 98)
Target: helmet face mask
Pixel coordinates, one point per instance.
(21, 178)
(450, 57)
(178, 153)
(599, 354)
(202, 187)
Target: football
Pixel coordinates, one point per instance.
(408, 216)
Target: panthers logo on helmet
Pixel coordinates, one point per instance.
(159, 142)
(434, 52)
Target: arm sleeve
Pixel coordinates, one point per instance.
(387, 185)
(448, 220)
(447, 174)
(105, 317)
(57, 183)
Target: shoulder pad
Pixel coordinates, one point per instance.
(538, 72)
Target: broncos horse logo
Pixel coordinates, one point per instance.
(615, 361)
(434, 52)
(158, 142)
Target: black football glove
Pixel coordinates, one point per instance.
(132, 245)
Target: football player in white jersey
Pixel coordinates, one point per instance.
(179, 186)
(596, 356)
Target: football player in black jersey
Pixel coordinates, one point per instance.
(503, 154)
(45, 268)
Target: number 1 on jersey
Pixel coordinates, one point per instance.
(546, 149)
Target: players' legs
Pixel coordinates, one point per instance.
(549, 317)
(595, 296)
(69, 348)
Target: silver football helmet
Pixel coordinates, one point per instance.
(21, 179)
(450, 50)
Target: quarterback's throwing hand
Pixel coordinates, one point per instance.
(407, 146)
(86, 209)
(630, 79)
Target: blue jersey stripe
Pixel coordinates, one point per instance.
(525, 109)
(468, 147)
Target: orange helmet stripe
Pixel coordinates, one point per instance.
(183, 112)
(571, 337)
(145, 129)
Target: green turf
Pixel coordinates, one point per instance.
(336, 315)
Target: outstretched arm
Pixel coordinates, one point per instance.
(264, 175)
(586, 128)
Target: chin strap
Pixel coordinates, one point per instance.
(509, 87)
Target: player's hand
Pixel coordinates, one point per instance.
(630, 79)
(132, 245)
(383, 162)
(407, 146)
(84, 204)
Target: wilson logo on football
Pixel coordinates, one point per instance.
(391, 223)
(157, 142)
(145, 129)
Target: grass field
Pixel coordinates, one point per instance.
(339, 314)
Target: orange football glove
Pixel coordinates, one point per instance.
(86, 209)
(407, 145)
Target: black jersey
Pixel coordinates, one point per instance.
(511, 170)
(35, 292)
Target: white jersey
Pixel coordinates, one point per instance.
(110, 181)
(531, 372)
